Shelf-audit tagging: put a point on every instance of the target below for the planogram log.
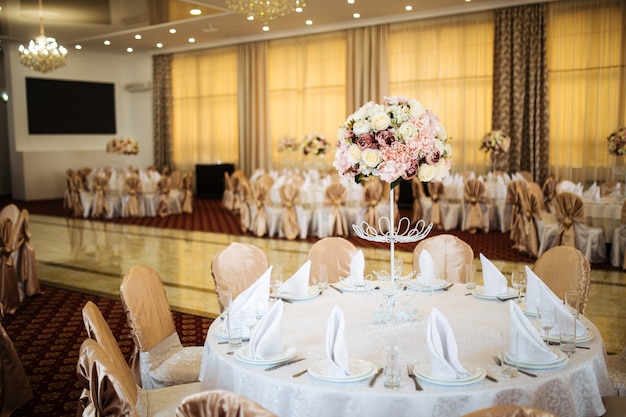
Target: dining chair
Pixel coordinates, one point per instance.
(236, 267)
(11, 211)
(24, 257)
(617, 371)
(335, 253)
(549, 192)
(162, 199)
(292, 220)
(132, 204)
(510, 411)
(185, 195)
(532, 210)
(260, 214)
(513, 219)
(417, 211)
(107, 393)
(565, 268)
(332, 218)
(176, 178)
(450, 255)
(159, 355)
(618, 243)
(9, 292)
(245, 209)
(220, 403)
(476, 208)
(370, 203)
(229, 192)
(101, 205)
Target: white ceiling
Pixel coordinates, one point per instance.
(91, 22)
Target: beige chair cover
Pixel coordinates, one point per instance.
(100, 207)
(176, 178)
(450, 255)
(237, 177)
(236, 267)
(617, 372)
(9, 293)
(15, 389)
(162, 359)
(163, 189)
(418, 192)
(336, 195)
(186, 195)
(26, 266)
(260, 221)
(510, 411)
(569, 209)
(220, 403)
(245, 215)
(536, 189)
(266, 179)
(565, 268)
(78, 210)
(68, 198)
(289, 199)
(618, 243)
(229, 192)
(10, 211)
(334, 252)
(372, 196)
(436, 191)
(549, 193)
(532, 211)
(132, 189)
(514, 205)
(83, 174)
(475, 197)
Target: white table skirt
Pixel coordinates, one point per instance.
(605, 213)
(574, 389)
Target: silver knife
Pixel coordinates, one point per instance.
(337, 289)
(280, 365)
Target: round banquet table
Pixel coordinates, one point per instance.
(573, 389)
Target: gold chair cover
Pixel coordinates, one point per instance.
(437, 193)
(623, 222)
(259, 222)
(475, 195)
(15, 388)
(236, 267)
(26, 266)
(510, 411)
(220, 403)
(549, 193)
(532, 210)
(176, 178)
(336, 195)
(9, 293)
(163, 189)
(536, 189)
(229, 192)
(83, 174)
(418, 192)
(132, 189)
(237, 177)
(289, 199)
(245, 215)
(515, 199)
(565, 268)
(77, 204)
(372, 196)
(267, 180)
(450, 255)
(68, 197)
(186, 195)
(334, 252)
(100, 206)
(569, 209)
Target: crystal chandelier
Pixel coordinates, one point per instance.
(43, 54)
(265, 10)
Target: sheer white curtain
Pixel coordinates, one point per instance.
(587, 87)
(307, 89)
(447, 64)
(204, 100)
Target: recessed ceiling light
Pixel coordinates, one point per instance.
(195, 12)
(250, 17)
(129, 49)
(356, 15)
(107, 42)
(159, 45)
(350, 1)
(137, 36)
(408, 8)
(191, 40)
(78, 47)
(299, 9)
(266, 28)
(468, 1)
(309, 22)
(172, 30)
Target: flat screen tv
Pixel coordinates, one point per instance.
(57, 107)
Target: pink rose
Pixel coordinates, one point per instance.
(385, 138)
(366, 141)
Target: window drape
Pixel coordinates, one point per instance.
(162, 110)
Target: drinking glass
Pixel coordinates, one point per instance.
(547, 319)
(235, 324)
(322, 277)
(470, 276)
(518, 281)
(250, 319)
(392, 374)
(567, 333)
(572, 301)
(276, 281)
(509, 345)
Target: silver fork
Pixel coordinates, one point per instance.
(412, 375)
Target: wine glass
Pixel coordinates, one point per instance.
(276, 281)
(250, 319)
(547, 320)
(518, 281)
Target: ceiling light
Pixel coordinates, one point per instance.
(107, 42)
(78, 47)
(159, 45)
(408, 8)
(129, 50)
(356, 15)
(191, 40)
(195, 12)
(350, 1)
(309, 22)
(43, 54)
(264, 10)
(172, 30)
(266, 28)
(137, 36)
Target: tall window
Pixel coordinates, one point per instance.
(587, 92)
(447, 64)
(204, 89)
(306, 88)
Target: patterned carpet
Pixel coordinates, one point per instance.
(48, 332)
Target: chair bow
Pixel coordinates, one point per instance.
(259, 222)
(100, 202)
(289, 199)
(436, 191)
(475, 194)
(569, 210)
(372, 196)
(186, 196)
(132, 188)
(336, 195)
(418, 192)
(549, 193)
(163, 188)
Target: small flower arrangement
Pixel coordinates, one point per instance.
(398, 139)
(123, 146)
(314, 144)
(617, 140)
(496, 142)
(288, 144)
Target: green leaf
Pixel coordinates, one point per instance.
(395, 183)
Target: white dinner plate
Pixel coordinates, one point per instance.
(364, 286)
(579, 339)
(418, 284)
(359, 369)
(312, 292)
(220, 332)
(243, 354)
(480, 293)
(560, 360)
(526, 311)
(477, 373)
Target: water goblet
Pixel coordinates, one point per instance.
(276, 281)
(250, 319)
(322, 278)
(547, 320)
(470, 276)
(518, 281)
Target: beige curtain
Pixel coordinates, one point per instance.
(447, 63)
(586, 59)
(162, 110)
(367, 77)
(520, 87)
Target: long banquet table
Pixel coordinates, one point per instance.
(573, 389)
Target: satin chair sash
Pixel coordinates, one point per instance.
(77, 204)
(372, 196)
(68, 198)
(245, 216)
(475, 195)
(289, 199)
(100, 202)
(227, 197)
(532, 210)
(16, 388)
(335, 195)
(26, 268)
(163, 188)
(549, 193)
(132, 188)
(516, 198)
(220, 403)
(259, 222)
(186, 196)
(418, 192)
(569, 209)
(9, 293)
(436, 191)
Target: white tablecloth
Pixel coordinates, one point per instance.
(605, 213)
(574, 389)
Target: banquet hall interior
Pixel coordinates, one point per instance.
(526, 94)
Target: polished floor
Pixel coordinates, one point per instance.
(91, 256)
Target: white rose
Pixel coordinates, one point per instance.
(354, 154)
(407, 131)
(440, 146)
(381, 121)
(441, 132)
(426, 173)
(360, 127)
(440, 170)
(371, 157)
(417, 110)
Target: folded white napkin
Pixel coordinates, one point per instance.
(267, 337)
(336, 346)
(357, 269)
(298, 284)
(533, 290)
(427, 267)
(444, 355)
(493, 281)
(525, 344)
(548, 298)
(256, 296)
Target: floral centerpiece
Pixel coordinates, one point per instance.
(496, 142)
(617, 140)
(123, 146)
(288, 144)
(314, 144)
(395, 140)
